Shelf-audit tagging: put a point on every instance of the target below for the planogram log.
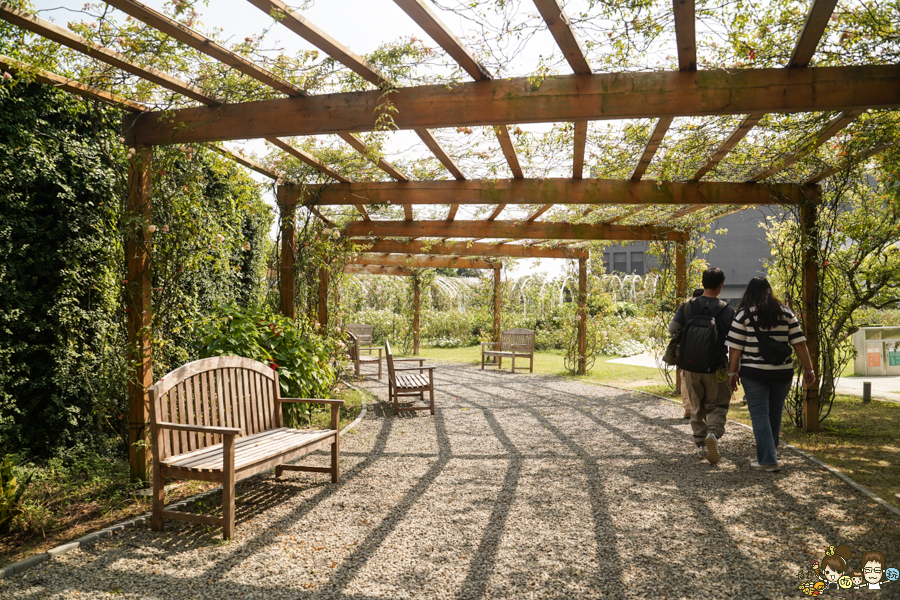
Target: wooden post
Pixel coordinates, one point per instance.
(323, 298)
(417, 297)
(680, 290)
(288, 214)
(582, 315)
(495, 333)
(139, 310)
(809, 292)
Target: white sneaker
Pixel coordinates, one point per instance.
(712, 448)
(701, 451)
(758, 467)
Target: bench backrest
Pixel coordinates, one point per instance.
(389, 358)
(519, 337)
(352, 345)
(222, 391)
(361, 331)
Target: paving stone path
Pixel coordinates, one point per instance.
(521, 486)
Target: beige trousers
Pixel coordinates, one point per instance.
(685, 397)
(709, 404)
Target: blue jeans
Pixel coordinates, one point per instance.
(765, 401)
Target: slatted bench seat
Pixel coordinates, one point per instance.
(220, 419)
(408, 381)
(513, 343)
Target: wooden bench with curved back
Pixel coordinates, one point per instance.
(220, 419)
(513, 343)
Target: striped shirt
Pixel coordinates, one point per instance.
(742, 336)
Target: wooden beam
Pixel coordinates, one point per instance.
(533, 216)
(625, 215)
(809, 301)
(550, 191)
(440, 33)
(360, 146)
(816, 21)
(294, 21)
(831, 129)
(377, 270)
(421, 261)
(139, 309)
(519, 100)
(736, 136)
(582, 316)
(496, 212)
(580, 142)
(508, 229)
(200, 42)
(287, 286)
(70, 85)
(470, 249)
(452, 213)
(866, 154)
(558, 22)
(440, 153)
(509, 151)
(685, 35)
(246, 162)
(653, 143)
(496, 305)
(74, 41)
(309, 159)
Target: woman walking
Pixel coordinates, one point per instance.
(759, 355)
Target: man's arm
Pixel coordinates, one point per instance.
(677, 321)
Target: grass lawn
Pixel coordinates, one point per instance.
(861, 440)
(66, 501)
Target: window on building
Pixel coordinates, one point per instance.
(620, 262)
(637, 263)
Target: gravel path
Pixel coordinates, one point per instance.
(521, 486)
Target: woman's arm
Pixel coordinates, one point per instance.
(734, 366)
(809, 372)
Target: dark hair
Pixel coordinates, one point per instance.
(838, 560)
(698, 292)
(713, 277)
(856, 573)
(759, 294)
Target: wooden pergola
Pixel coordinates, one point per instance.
(486, 101)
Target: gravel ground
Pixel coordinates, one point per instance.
(521, 486)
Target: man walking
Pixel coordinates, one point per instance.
(703, 359)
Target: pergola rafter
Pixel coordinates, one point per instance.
(486, 102)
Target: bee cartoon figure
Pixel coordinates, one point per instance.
(833, 566)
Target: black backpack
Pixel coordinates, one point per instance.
(772, 351)
(701, 351)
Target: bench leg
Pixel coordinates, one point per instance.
(279, 470)
(336, 459)
(513, 363)
(379, 368)
(499, 362)
(159, 499)
(228, 488)
(482, 360)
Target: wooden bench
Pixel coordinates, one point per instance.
(401, 384)
(219, 419)
(513, 343)
(361, 355)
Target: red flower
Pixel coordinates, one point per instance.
(274, 366)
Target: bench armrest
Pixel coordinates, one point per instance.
(421, 360)
(200, 428)
(483, 344)
(311, 401)
(421, 368)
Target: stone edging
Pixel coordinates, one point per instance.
(33, 561)
(858, 487)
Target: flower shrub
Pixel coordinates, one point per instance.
(302, 358)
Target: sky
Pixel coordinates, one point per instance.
(363, 25)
